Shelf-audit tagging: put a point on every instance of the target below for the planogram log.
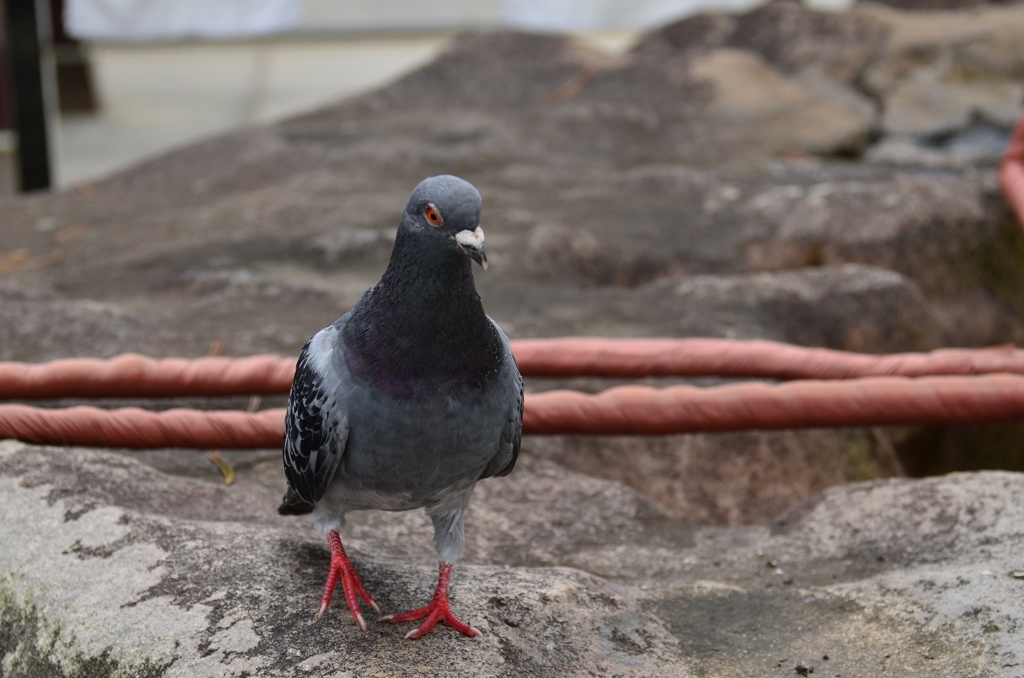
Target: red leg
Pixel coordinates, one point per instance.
(350, 582)
(438, 610)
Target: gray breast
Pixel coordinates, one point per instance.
(404, 454)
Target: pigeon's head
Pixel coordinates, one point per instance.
(444, 212)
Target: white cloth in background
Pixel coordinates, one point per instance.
(582, 15)
(139, 20)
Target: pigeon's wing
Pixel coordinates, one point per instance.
(316, 424)
(512, 435)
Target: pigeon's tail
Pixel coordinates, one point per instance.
(294, 505)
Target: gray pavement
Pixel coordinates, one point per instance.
(158, 97)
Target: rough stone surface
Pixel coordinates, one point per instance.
(36, 324)
(565, 574)
(730, 479)
(758, 104)
(939, 75)
(924, 108)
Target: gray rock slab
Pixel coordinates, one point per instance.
(39, 324)
(957, 48)
(925, 109)
(110, 567)
(754, 105)
(979, 144)
(786, 35)
(727, 479)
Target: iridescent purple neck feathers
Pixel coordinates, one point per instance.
(422, 330)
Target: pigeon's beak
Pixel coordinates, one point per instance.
(473, 243)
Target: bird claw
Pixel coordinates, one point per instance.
(351, 584)
(438, 610)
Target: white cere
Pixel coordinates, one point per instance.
(467, 238)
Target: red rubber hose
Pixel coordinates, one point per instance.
(637, 410)
(138, 376)
(1011, 172)
(635, 358)
(626, 410)
(135, 376)
(135, 428)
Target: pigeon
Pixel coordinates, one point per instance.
(408, 399)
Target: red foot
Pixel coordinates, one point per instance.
(438, 610)
(350, 582)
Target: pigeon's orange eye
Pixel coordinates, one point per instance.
(432, 215)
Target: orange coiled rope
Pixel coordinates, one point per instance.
(637, 410)
(1011, 172)
(136, 376)
(136, 428)
(636, 358)
(626, 410)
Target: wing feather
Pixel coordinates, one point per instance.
(512, 434)
(316, 425)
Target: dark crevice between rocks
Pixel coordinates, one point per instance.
(103, 551)
(978, 124)
(939, 450)
(1000, 260)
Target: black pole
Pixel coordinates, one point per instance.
(6, 89)
(32, 76)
